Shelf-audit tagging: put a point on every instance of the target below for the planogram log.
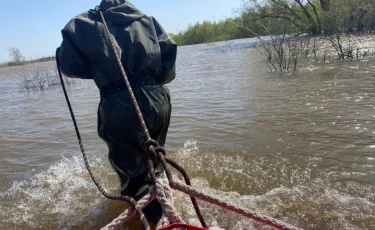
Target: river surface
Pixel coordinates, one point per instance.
(297, 147)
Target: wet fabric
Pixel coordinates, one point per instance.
(148, 56)
(119, 126)
(144, 47)
(146, 51)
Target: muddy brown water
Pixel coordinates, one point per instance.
(297, 147)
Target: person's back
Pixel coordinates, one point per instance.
(148, 55)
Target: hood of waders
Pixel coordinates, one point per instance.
(144, 47)
(120, 11)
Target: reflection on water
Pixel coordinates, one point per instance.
(299, 148)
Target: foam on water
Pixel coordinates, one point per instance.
(52, 198)
(64, 196)
(300, 196)
(296, 206)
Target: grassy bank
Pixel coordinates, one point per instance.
(38, 60)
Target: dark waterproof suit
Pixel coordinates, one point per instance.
(148, 55)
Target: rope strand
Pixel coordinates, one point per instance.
(151, 145)
(165, 182)
(223, 204)
(123, 73)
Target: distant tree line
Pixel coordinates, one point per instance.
(265, 17)
(17, 58)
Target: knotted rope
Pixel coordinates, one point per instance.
(152, 146)
(169, 213)
(164, 195)
(162, 184)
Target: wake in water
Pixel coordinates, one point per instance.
(49, 199)
(64, 197)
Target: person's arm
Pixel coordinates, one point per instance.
(168, 52)
(73, 63)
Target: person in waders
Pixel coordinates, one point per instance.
(148, 55)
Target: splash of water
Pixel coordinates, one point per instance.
(64, 196)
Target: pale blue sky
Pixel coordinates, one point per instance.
(34, 26)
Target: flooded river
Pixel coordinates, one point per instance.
(297, 147)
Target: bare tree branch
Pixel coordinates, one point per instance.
(15, 55)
